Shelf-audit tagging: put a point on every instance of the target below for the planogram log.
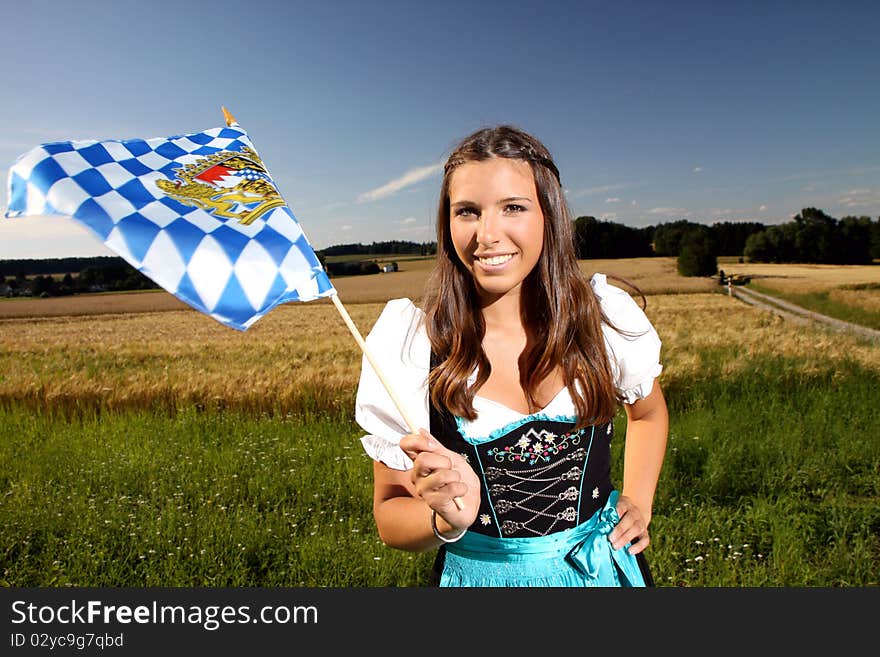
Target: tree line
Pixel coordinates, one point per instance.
(109, 275)
(391, 247)
(812, 236)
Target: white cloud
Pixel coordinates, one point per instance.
(634, 203)
(763, 208)
(670, 211)
(334, 205)
(861, 198)
(411, 177)
(614, 199)
(589, 191)
(852, 171)
(345, 227)
(697, 169)
(410, 230)
(408, 220)
(608, 216)
(47, 237)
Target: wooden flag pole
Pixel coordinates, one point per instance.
(413, 428)
(363, 345)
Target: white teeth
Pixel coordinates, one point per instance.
(496, 260)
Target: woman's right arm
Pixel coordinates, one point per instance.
(403, 499)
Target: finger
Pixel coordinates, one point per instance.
(640, 543)
(426, 463)
(439, 481)
(456, 490)
(414, 444)
(444, 499)
(618, 534)
(633, 534)
(441, 496)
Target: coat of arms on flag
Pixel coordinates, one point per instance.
(198, 213)
(227, 184)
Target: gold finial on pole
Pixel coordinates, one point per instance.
(230, 120)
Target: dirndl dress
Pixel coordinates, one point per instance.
(547, 506)
(547, 499)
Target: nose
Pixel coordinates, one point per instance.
(488, 228)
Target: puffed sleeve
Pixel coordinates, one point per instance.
(400, 347)
(634, 351)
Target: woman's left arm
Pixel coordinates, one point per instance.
(647, 430)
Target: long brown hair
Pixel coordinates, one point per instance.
(561, 314)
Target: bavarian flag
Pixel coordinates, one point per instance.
(199, 214)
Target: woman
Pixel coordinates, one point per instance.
(515, 365)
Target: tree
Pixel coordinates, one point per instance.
(815, 237)
(606, 239)
(43, 286)
(67, 285)
(758, 248)
(668, 237)
(776, 244)
(854, 235)
(730, 236)
(875, 239)
(696, 255)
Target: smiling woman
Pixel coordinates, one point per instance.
(516, 364)
(497, 226)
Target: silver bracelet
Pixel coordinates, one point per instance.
(438, 534)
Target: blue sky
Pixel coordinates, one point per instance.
(654, 111)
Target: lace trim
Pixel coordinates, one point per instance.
(510, 426)
(643, 389)
(386, 451)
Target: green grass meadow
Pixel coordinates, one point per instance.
(770, 480)
(822, 303)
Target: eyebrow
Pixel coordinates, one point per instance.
(504, 200)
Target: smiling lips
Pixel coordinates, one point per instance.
(494, 260)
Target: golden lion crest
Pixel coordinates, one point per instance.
(227, 184)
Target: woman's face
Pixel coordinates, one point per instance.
(496, 223)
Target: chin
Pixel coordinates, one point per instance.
(496, 286)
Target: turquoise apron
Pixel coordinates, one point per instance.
(580, 556)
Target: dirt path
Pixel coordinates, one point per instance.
(798, 314)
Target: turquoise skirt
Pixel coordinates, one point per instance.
(580, 556)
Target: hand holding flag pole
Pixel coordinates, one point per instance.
(352, 327)
(413, 428)
(230, 122)
(199, 214)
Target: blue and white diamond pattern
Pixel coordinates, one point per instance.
(233, 272)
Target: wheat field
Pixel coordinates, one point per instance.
(145, 444)
(147, 353)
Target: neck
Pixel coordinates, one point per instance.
(502, 311)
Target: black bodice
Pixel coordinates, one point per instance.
(540, 477)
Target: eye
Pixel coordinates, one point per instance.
(514, 208)
(465, 211)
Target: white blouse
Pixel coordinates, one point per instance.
(399, 345)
